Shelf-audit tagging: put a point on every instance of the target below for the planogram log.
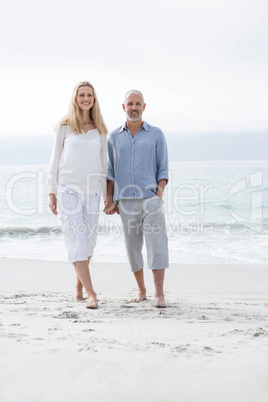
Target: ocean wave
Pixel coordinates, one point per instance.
(26, 232)
(174, 228)
(218, 229)
(48, 231)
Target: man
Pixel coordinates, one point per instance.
(137, 173)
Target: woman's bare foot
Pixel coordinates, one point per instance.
(79, 295)
(92, 302)
(79, 290)
(141, 295)
(159, 302)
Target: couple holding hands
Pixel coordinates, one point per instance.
(131, 182)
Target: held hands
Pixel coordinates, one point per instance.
(53, 204)
(110, 207)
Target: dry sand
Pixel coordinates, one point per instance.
(209, 345)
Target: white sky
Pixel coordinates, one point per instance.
(201, 64)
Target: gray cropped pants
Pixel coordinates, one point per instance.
(144, 218)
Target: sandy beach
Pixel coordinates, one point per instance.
(210, 343)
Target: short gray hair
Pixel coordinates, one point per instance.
(133, 91)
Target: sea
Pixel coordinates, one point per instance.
(216, 212)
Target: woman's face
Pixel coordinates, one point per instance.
(85, 98)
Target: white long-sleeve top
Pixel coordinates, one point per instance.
(78, 161)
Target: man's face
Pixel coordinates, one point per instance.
(134, 107)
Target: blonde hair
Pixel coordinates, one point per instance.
(73, 117)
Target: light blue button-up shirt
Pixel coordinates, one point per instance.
(136, 164)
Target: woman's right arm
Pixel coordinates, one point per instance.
(53, 169)
(53, 203)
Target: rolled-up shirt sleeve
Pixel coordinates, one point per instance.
(110, 163)
(53, 169)
(161, 158)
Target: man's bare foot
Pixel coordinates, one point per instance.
(159, 302)
(92, 302)
(141, 295)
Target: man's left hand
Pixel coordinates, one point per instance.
(160, 188)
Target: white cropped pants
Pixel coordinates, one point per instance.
(79, 214)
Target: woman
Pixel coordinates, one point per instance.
(76, 178)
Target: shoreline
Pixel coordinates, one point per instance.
(210, 343)
(180, 279)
